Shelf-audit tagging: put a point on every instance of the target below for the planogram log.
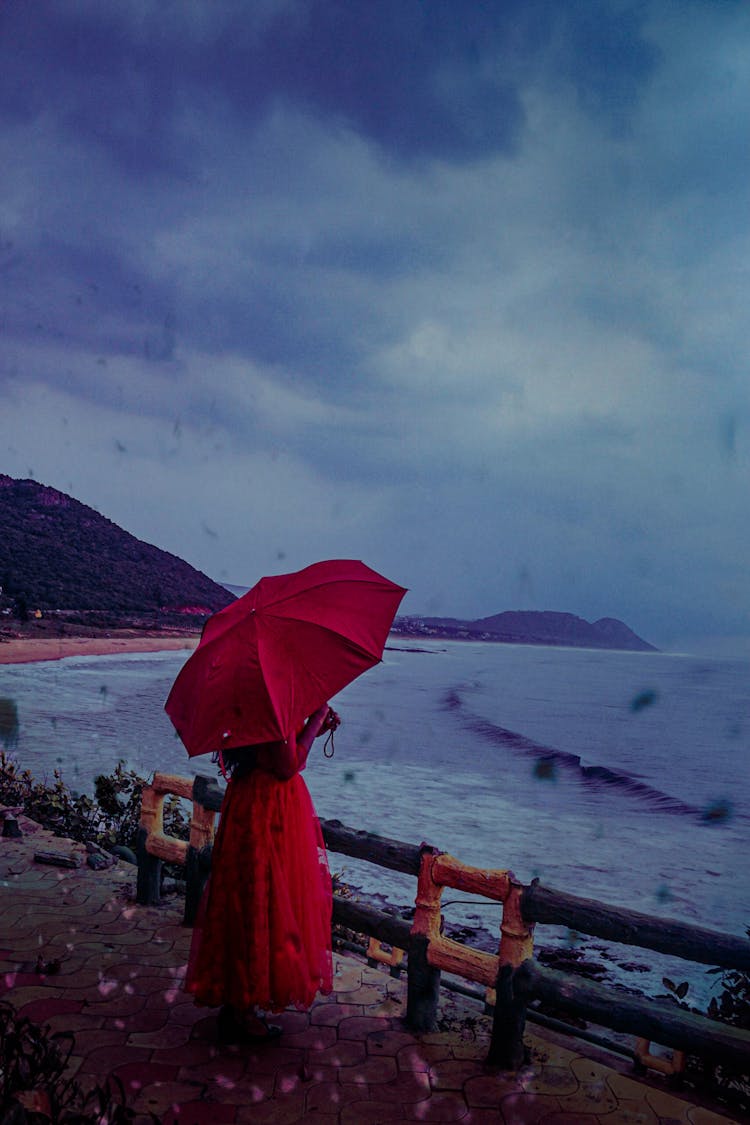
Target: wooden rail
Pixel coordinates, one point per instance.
(629, 927)
(511, 977)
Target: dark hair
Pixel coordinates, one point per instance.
(239, 761)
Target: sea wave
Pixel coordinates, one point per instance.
(550, 757)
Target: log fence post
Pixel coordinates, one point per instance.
(423, 980)
(148, 885)
(506, 1048)
(198, 859)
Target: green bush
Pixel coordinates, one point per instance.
(733, 1003)
(733, 1006)
(33, 1086)
(110, 817)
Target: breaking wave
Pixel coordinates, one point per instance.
(598, 777)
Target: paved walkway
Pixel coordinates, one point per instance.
(347, 1061)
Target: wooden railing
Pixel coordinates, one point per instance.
(511, 978)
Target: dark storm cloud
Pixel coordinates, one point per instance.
(437, 80)
(88, 298)
(80, 64)
(606, 58)
(332, 278)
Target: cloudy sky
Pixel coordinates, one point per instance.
(456, 288)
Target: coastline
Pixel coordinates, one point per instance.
(27, 650)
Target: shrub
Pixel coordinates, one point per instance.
(110, 817)
(733, 1006)
(33, 1086)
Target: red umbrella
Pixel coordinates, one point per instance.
(276, 654)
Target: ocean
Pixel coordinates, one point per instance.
(616, 776)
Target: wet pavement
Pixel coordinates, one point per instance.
(114, 980)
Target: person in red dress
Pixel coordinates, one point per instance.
(262, 939)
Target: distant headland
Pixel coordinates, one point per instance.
(67, 571)
(528, 627)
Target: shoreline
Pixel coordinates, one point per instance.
(28, 650)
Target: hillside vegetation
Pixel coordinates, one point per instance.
(58, 554)
(529, 627)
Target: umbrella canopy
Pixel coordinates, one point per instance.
(276, 654)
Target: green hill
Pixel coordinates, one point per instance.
(58, 554)
(529, 627)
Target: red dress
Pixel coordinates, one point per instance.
(263, 934)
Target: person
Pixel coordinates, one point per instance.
(262, 939)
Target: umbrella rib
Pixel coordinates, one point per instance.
(271, 700)
(358, 648)
(279, 600)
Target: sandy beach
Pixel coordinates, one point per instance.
(25, 650)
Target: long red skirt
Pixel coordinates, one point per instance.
(263, 933)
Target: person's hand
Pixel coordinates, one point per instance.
(316, 724)
(323, 720)
(332, 721)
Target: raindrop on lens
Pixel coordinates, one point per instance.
(643, 699)
(545, 769)
(717, 812)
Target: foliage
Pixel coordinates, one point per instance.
(679, 991)
(33, 1085)
(119, 799)
(59, 554)
(733, 1005)
(111, 817)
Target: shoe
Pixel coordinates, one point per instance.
(232, 1029)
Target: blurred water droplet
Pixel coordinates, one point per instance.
(717, 812)
(9, 724)
(644, 699)
(545, 769)
(728, 435)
